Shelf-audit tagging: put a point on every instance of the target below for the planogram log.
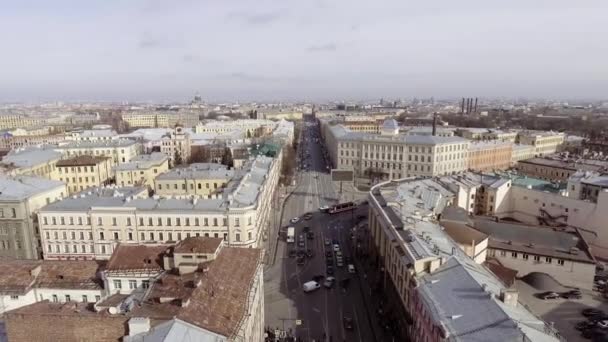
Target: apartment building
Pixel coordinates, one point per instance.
(426, 272)
(200, 179)
(20, 199)
(199, 288)
(557, 169)
(393, 155)
(473, 133)
(141, 170)
(177, 144)
(427, 130)
(120, 150)
(32, 161)
(90, 224)
(10, 121)
(92, 135)
(10, 142)
(490, 155)
(544, 142)
(84, 171)
(160, 119)
(25, 282)
(250, 128)
(522, 152)
(587, 185)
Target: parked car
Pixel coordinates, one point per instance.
(306, 229)
(309, 253)
(572, 294)
(339, 263)
(310, 286)
(329, 282)
(329, 270)
(548, 295)
(308, 216)
(348, 323)
(336, 248)
(591, 312)
(294, 220)
(327, 242)
(324, 209)
(338, 254)
(584, 325)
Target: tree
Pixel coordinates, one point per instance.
(227, 158)
(200, 155)
(248, 134)
(288, 164)
(177, 158)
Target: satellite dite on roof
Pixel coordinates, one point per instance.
(338, 175)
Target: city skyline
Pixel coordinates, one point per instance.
(160, 51)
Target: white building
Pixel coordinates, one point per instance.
(120, 150)
(176, 143)
(543, 142)
(141, 170)
(92, 135)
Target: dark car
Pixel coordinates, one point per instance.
(591, 312)
(292, 253)
(329, 270)
(328, 254)
(584, 325)
(548, 295)
(318, 277)
(309, 253)
(301, 261)
(335, 242)
(348, 323)
(310, 236)
(306, 229)
(574, 294)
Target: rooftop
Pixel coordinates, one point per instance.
(570, 164)
(344, 133)
(143, 161)
(193, 244)
(29, 157)
(83, 160)
(96, 144)
(199, 171)
(21, 187)
(128, 257)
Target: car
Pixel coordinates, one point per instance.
(590, 312)
(327, 242)
(310, 236)
(328, 254)
(351, 268)
(309, 253)
(548, 295)
(329, 261)
(301, 243)
(336, 248)
(318, 277)
(339, 263)
(301, 261)
(602, 324)
(348, 323)
(329, 282)
(310, 286)
(308, 216)
(329, 270)
(292, 253)
(306, 229)
(324, 208)
(572, 294)
(339, 254)
(584, 325)
(295, 220)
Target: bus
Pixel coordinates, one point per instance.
(338, 208)
(291, 235)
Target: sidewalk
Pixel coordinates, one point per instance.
(275, 218)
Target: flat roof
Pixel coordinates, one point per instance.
(30, 157)
(127, 257)
(195, 244)
(21, 187)
(83, 160)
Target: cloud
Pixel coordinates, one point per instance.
(256, 19)
(322, 48)
(243, 76)
(148, 43)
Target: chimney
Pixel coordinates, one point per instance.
(434, 123)
(138, 325)
(475, 111)
(509, 297)
(462, 106)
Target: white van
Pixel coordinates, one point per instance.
(351, 268)
(310, 286)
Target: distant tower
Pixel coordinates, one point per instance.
(475, 110)
(434, 123)
(197, 98)
(462, 107)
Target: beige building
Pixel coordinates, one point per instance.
(141, 170)
(89, 225)
(32, 161)
(10, 142)
(10, 121)
(152, 119)
(201, 179)
(199, 289)
(555, 169)
(522, 152)
(20, 199)
(251, 128)
(83, 172)
(177, 143)
(426, 272)
(490, 155)
(544, 142)
(120, 150)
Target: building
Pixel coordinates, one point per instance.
(10, 121)
(426, 272)
(473, 133)
(177, 144)
(120, 150)
(90, 224)
(25, 282)
(201, 179)
(141, 170)
(427, 130)
(393, 155)
(92, 135)
(522, 152)
(20, 199)
(32, 161)
(161, 119)
(587, 185)
(490, 155)
(249, 128)
(85, 171)
(9, 141)
(199, 289)
(544, 142)
(559, 169)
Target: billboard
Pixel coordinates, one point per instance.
(342, 175)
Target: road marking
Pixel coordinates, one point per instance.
(357, 323)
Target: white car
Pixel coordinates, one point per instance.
(336, 248)
(323, 208)
(294, 220)
(602, 324)
(351, 268)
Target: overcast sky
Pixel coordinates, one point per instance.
(307, 49)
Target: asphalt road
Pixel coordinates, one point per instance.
(319, 314)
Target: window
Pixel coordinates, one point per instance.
(101, 236)
(548, 260)
(117, 284)
(525, 256)
(249, 235)
(187, 221)
(128, 221)
(168, 221)
(130, 235)
(113, 221)
(132, 284)
(44, 219)
(145, 284)
(150, 221)
(99, 221)
(152, 236)
(55, 300)
(80, 221)
(13, 212)
(503, 253)
(237, 222)
(225, 237)
(115, 235)
(160, 237)
(103, 249)
(238, 237)
(178, 222)
(560, 262)
(71, 221)
(13, 297)
(97, 298)
(160, 221)
(143, 236)
(68, 298)
(85, 299)
(61, 219)
(514, 255)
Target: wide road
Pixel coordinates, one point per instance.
(312, 316)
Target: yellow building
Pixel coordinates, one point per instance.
(543, 142)
(19, 121)
(82, 172)
(490, 155)
(31, 162)
(202, 179)
(142, 170)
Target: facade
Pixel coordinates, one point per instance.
(120, 150)
(89, 225)
(141, 170)
(202, 179)
(522, 152)
(426, 272)
(490, 155)
(250, 128)
(473, 133)
(20, 199)
(10, 121)
(10, 141)
(587, 185)
(32, 162)
(25, 282)
(555, 169)
(544, 142)
(161, 119)
(176, 143)
(181, 297)
(92, 135)
(392, 155)
(85, 171)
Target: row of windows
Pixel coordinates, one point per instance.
(68, 298)
(86, 179)
(74, 169)
(525, 256)
(5, 244)
(150, 222)
(132, 283)
(11, 211)
(183, 187)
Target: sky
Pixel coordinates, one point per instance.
(311, 50)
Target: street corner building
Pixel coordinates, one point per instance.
(196, 290)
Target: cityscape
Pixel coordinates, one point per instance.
(311, 172)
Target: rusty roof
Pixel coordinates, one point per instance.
(83, 160)
(136, 257)
(198, 244)
(16, 275)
